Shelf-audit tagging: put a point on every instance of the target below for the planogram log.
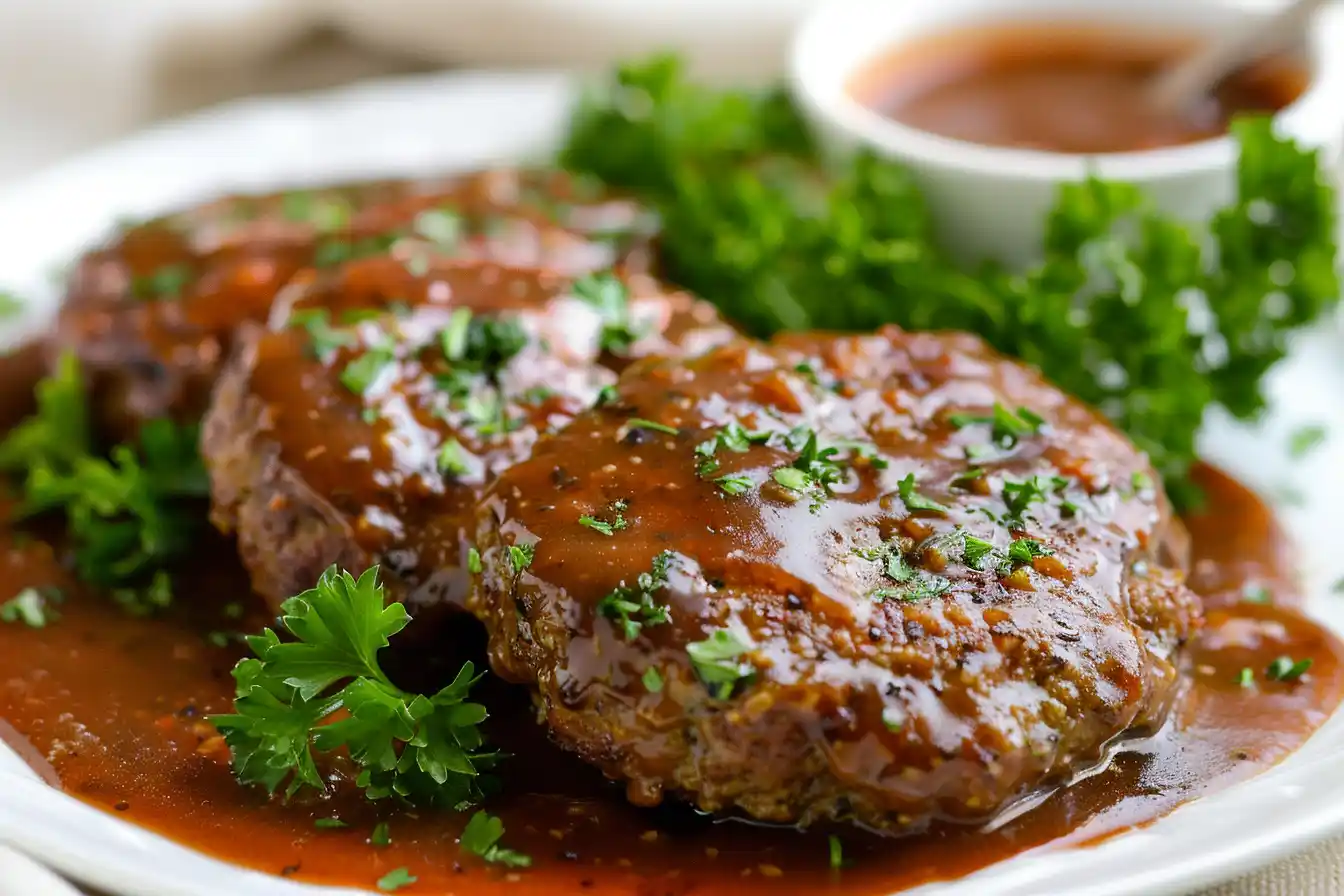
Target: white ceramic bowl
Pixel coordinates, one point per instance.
(992, 202)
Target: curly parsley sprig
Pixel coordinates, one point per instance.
(325, 692)
(128, 513)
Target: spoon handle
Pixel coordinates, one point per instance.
(1194, 77)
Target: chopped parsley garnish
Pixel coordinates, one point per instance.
(1019, 496)
(396, 879)
(717, 661)
(473, 561)
(737, 485)
(521, 556)
(421, 748)
(815, 469)
(441, 226)
(1007, 427)
(633, 607)
(324, 340)
(605, 396)
(453, 459)
(977, 551)
(381, 836)
(1305, 439)
(1286, 669)
(31, 606)
(326, 824)
(361, 373)
(652, 425)
(128, 514)
(1246, 678)
(731, 437)
(327, 213)
(481, 837)
(653, 680)
(919, 586)
(481, 344)
(914, 501)
(1141, 485)
(607, 528)
(611, 299)
(837, 852)
(165, 282)
(1024, 550)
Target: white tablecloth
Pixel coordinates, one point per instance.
(74, 73)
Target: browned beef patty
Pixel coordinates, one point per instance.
(881, 578)
(152, 315)
(361, 425)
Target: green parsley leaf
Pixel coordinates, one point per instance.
(396, 879)
(1286, 669)
(329, 823)
(1007, 427)
(327, 212)
(441, 226)
(977, 551)
(31, 606)
(653, 680)
(605, 396)
(740, 485)
(324, 340)
(453, 459)
(381, 836)
(633, 607)
(483, 345)
(1024, 550)
(420, 748)
(914, 501)
(363, 371)
(1247, 678)
(481, 837)
(611, 299)
(1306, 439)
(654, 426)
(473, 561)
(166, 282)
(836, 852)
(717, 662)
(521, 556)
(1019, 496)
(128, 514)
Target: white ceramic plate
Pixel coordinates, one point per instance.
(433, 124)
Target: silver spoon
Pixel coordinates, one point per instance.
(1195, 77)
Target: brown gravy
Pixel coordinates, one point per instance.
(115, 707)
(1066, 88)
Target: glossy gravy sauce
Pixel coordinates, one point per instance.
(113, 709)
(1060, 88)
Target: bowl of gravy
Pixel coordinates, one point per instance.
(994, 103)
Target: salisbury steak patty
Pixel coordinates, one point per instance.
(153, 314)
(882, 579)
(360, 427)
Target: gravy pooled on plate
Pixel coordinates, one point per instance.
(1069, 88)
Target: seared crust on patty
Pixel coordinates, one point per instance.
(959, 605)
(153, 314)
(345, 433)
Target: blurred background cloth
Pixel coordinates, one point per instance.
(78, 72)
(74, 73)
